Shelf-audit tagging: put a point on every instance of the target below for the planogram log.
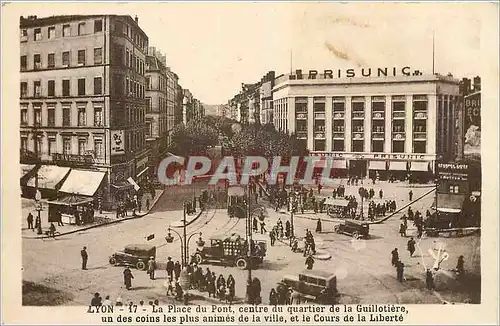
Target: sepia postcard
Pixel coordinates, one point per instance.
(260, 163)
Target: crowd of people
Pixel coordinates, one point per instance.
(217, 287)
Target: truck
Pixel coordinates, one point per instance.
(232, 251)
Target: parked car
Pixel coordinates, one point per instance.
(232, 250)
(356, 229)
(135, 255)
(313, 285)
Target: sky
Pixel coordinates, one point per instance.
(214, 47)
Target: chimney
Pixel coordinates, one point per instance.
(136, 19)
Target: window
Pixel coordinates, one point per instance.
(38, 34)
(98, 117)
(97, 56)
(51, 88)
(24, 35)
(39, 145)
(51, 60)
(24, 62)
(148, 104)
(24, 116)
(97, 85)
(66, 145)
(66, 30)
(82, 146)
(37, 89)
(24, 89)
(52, 146)
(52, 32)
(66, 61)
(81, 86)
(148, 82)
(81, 28)
(81, 57)
(38, 115)
(66, 116)
(398, 146)
(357, 146)
(24, 143)
(37, 60)
(97, 26)
(82, 117)
(66, 87)
(98, 148)
(51, 116)
(127, 57)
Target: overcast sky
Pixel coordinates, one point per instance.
(214, 47)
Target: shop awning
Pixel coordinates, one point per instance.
(49, 176)
(450, 203)
(397, 166)
(377, 165)
(26, 168)
(71, 200)
(419, 166)
(82, 182)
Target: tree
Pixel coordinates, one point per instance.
(194, 137)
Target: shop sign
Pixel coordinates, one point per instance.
(375, 156)
(73, 159)
(453, 171)
(117, 142)
(351, 73)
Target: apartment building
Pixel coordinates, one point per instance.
(82, 97)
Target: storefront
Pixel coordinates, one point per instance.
(72, 209)
(50, 180)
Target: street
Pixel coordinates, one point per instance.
(363, 267)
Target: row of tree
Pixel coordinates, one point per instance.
(199, 135)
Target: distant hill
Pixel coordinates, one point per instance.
(211, 109)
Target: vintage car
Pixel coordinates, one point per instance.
(135, 255)
(354, 228)
(232, 251)
(313, 285)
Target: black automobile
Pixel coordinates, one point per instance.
(355, 229)
(136, 255)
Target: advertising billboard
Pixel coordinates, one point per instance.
(117, 142)
(472, 124)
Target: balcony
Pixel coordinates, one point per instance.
(338, 115)
(320, 116)
(358, 115)
(301, 116)
(378, 115)
(419, 135)
(422, 115)
(338, 135)
(398, 135)
(358, 136)
(398, 115)
(302, 134)
(319, 135)
(378, 135)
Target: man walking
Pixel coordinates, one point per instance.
(400, 270)
(151, 267)
(170, 267)
(85, 258)
(309, 262)
(411, 246)
(395, 257)
(410, 195)
(177, 270)
(30, 222)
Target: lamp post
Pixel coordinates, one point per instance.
(169, 238)
(184, 226)
(186, 245)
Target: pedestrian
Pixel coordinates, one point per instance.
(410, 195)
(177, 270)
(460, 266)
(85, 258)
(381, 194)
(411, 246)
(52, 230)
(170, 267)
(395, 257)
(318, 226)
(262, 227)
(319, 188)
(170, 287)
(309, 262)
(272, 237)
(273, 297)
(231, 284)
(147, 204)
(59, 219)
(255, 224)
(96, 300)
(400, 270)
(402, 230)
(30, 222)
(429, 280)
(127, 277)
(256, 288)
(178, 291)
(107, 301)
(151, 267)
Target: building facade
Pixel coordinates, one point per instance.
(386, 125)
(82, 92)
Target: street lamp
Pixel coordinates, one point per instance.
(169, 238)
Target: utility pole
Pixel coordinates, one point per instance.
(249, 239)
(184, 230)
